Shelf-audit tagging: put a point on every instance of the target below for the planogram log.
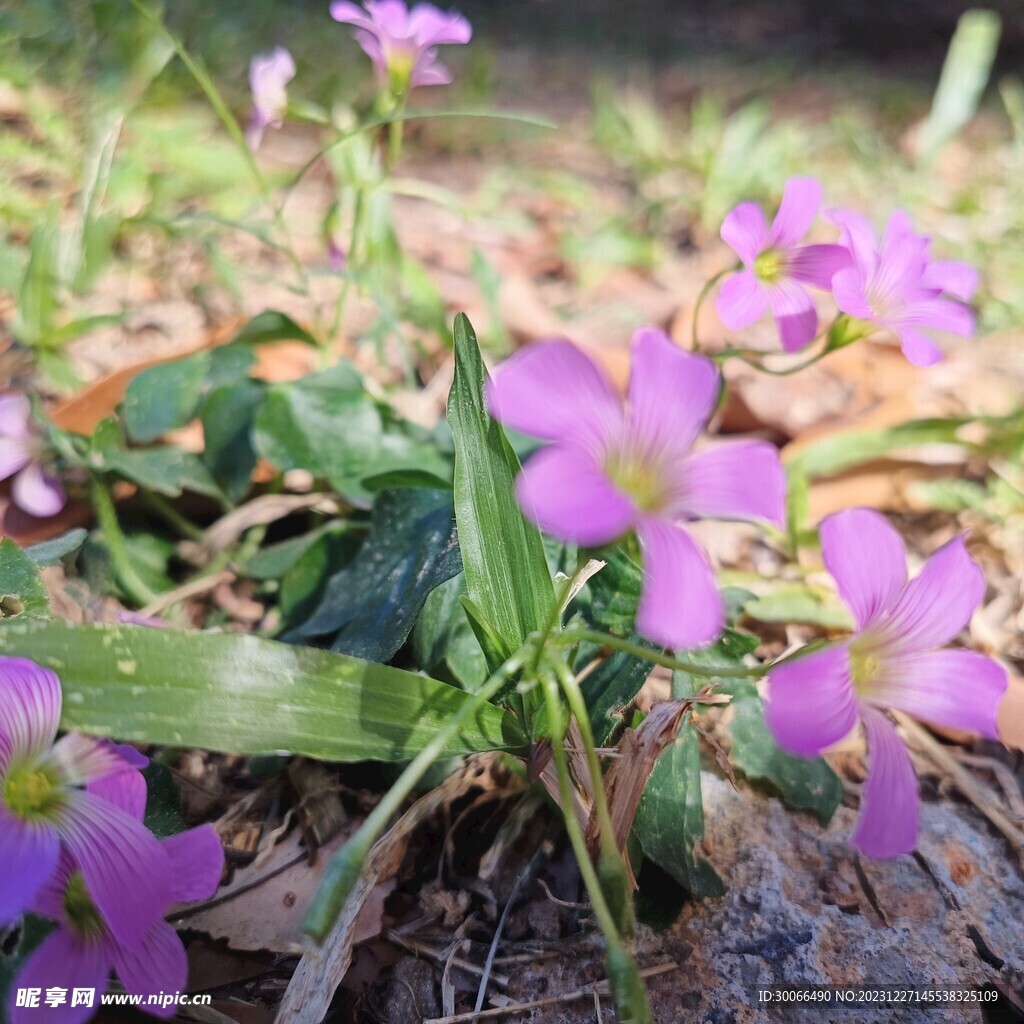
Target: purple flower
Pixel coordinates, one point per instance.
(776, 267)
(269, 73)
(891, 661)
(893, 284)
(23, 452)
(69, 794)
(83, 951)
(611, 469)
(402, 43)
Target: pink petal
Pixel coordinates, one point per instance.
(28, 853)
(960, 280)
(124, 789)
(81, 759)
(62, 961)
(866, 558)
(745, 232)
(918, 348)
(158, 965)
(959, 689)
(800, 201)
(432, 27)
(197, 860)
(391, 17)
(939, 314)
(887, 826)
(126, 871)
(810, 702)
(680, 606)
(15, 417)
(795, 315)
(553, 391)
(858, 236)
(938, 602)
(15, 454)
(672, 393)
(849, 291)
(37, 492)
(342, 10)
(30, 703)
(49, 900)
(430, 71)
(735, 480)
(565, 493)
(741, 301)
(817, 264)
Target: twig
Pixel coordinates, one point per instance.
(193, 588)
(1007, 783)
(978, 794)
(600, 988)
(438, 955)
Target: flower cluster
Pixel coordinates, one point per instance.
(23, 455)
(610, 469)
(269, 74)
(890, 662)
(890, 284)
(73, 847)
(403, 42)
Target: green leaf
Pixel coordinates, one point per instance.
(37, 298)
(163, 801)
(49, 552)
(228, 414)
(797, 602)
(806, 784)
(670, 819)
(242, 694)
(164, 397)
(271, 563)
(507, 576)
(21, 589)
(965, 73)
(370, 606)
(271, 326)
(443, 635)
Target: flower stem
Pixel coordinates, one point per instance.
(704, 293)
(114, 538)
(574, 636)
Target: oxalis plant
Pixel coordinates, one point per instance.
(531, 602)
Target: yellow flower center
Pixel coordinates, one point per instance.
(643, 481)
(80, 909)
(32, 792)
(865, 670)
(769, 265)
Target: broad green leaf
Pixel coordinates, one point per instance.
(163, 801)
(49, 552)
(369, 607)
(670, 819)
(38, 300)
(242, 694)
(21, 590)
(507, 576)
(443, 635)
(271, 326)
(164, 397)
(806, 784)
(271, 563)
(228, 414)
(964, 76)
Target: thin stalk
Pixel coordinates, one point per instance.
(575, 636)
(344, 870)
(125, 572)
(704, 293)
(354, 240)
(170, 515)
(602, 911)
(578, 707)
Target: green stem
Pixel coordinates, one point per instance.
(602, 911)
(704, 293)
(396, 131)
(578, 707)
(125, 572)
(344, 870)
(172, 516)
(354, 241)
(575, 636)
(746, 355)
